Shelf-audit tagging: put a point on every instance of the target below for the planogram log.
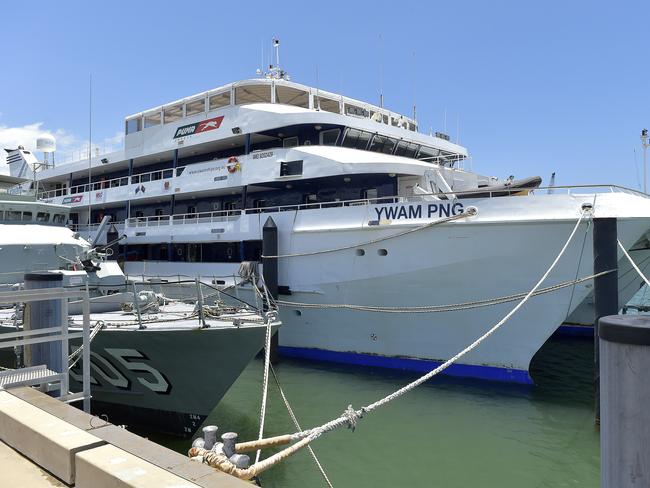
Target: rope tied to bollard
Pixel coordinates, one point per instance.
(350, 416)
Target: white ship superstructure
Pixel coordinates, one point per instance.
(198, 178)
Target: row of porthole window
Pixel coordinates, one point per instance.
(381, 252)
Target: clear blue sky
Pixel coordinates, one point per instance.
(538, 86)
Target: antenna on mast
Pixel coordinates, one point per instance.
(90, 143)
(275, 72)
(414, 91)
(381, 71)
(317, 91)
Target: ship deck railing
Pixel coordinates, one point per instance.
(232, 215)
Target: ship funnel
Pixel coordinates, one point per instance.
(21, 163)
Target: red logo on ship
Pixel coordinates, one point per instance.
(198, 127)
(209, 124)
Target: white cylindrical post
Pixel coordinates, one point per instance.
(624, 401)
(42, 315)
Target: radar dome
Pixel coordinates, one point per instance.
(46, 143)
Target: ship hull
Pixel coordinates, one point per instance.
(387, 256)
(165, 380)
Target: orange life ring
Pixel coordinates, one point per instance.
(233, 164)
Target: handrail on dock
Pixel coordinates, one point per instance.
(60, 333)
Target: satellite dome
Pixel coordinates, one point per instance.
(46, 143)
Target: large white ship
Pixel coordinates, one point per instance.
(343, 180)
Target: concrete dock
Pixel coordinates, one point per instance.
(47, 443)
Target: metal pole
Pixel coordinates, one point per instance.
(65, 345)
(199, 294)
(136, 305)
(644, 144)
(85, 308)
(605, 287)
(270, 270)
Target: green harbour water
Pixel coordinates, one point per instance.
(447, 433)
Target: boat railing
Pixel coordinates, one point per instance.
(184, 219)
(232, 215)
(94, 227)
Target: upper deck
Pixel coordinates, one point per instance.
(260, 109)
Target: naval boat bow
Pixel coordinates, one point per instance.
(145, 368)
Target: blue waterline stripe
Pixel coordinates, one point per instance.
(575, 331)
(420, 365)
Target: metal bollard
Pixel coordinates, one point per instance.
(624, 401)
(41, 315)
(217, 448)
(229, 440)
(210, 436)
(242, 461)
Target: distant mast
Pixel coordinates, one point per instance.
(275, 72)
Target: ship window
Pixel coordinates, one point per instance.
(290, 141)
(382, 144)
(43, 217)
(291, 168)
(139, 214)
(261, 203)
(133, 125)
(327, 104)
(219, 100)
(191, 211)
(173, 113)
(195, 107)
(291, 96)
(412, 126)
(329, 137)
(252, 94)
(13, 215)
(355, 110)
(158, 212)
(27, 216)
(152, 119)
(229, 205)
(406, 149)
(369, 194)
(357, 139)
(58, 218)
(428, 153)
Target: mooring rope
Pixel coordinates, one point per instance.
(76, 355)
(270, 316)
(467, 213)
(442, 308)
(350, 416)
(636, 268)
(294, 419)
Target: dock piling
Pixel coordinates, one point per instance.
(605, 287)
(270, 271)
(42, 315)
(624, 399)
